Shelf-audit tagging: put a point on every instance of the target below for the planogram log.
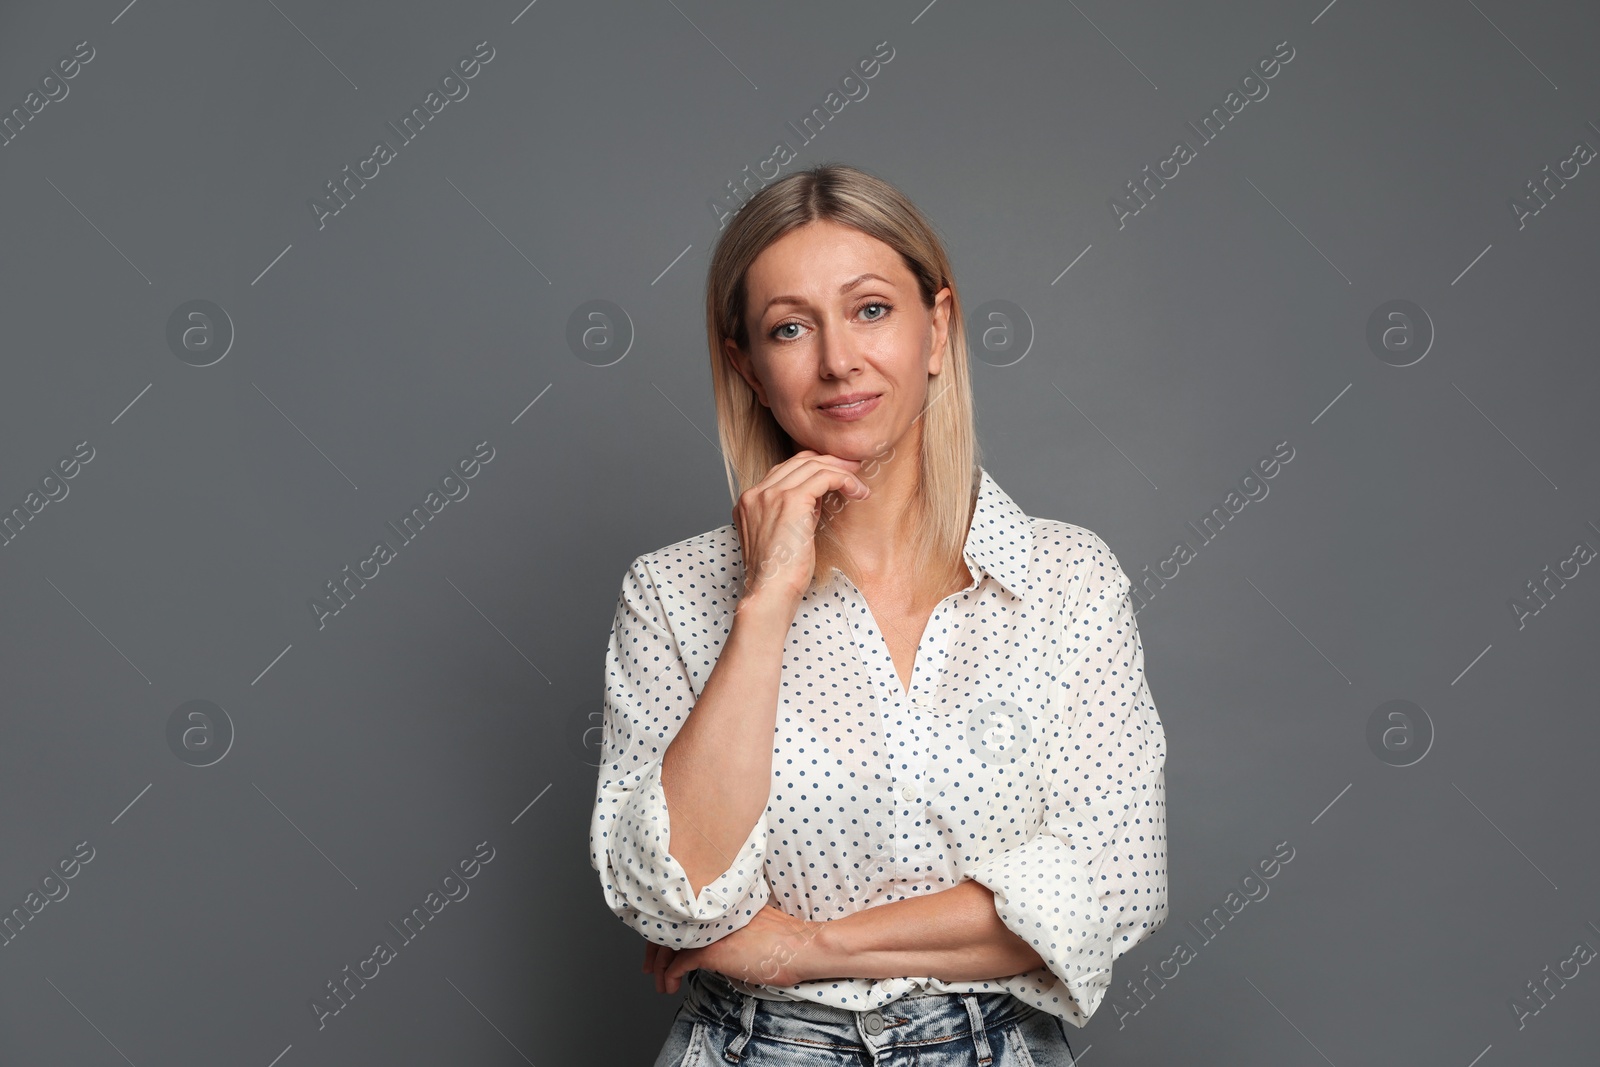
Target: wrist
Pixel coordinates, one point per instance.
(827, 951)
(766, 609)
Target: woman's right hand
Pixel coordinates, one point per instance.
(777, 521)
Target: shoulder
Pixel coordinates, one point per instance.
(696, 571)
(1074, 556)
(1072, 551)
(711, 556)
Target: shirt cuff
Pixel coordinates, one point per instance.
(1047, 897)
(654, 883)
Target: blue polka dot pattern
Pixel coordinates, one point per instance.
(880, 793)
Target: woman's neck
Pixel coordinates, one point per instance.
(880, 534)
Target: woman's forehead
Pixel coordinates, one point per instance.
(822, 263)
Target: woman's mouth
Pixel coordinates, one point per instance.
(849, 408)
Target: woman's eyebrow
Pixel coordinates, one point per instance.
(845, 288)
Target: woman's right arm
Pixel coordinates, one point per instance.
(717, 773)
(678, 831)
(650, 696)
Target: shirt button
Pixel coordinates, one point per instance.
(873, 1023)
(908, 792)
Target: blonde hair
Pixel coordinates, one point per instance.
(752, 440)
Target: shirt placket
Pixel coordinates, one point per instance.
(908, 800)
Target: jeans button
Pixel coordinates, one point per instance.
(873, 1023)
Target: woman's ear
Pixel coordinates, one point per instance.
(941, 331)
(746, 367)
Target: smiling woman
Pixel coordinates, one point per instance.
(791, 806)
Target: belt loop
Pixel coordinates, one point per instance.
(980, 1038)
(747, 1020)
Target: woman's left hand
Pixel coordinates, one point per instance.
(774, 948)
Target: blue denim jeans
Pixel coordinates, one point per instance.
(717, 1024)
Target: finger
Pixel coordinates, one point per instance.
(680, 966)
(793, 471)
(663, 958)
(846, 481)
(649, 956)
(801, 473)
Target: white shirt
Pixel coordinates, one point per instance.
(1056, 802)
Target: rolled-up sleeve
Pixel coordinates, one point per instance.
(648, 695)
(1092, 882)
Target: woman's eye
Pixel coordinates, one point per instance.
(883, 312)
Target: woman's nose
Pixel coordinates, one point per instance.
(836, 353)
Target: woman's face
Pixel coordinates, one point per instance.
(833, 315)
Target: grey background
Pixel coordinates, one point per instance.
(455, 690)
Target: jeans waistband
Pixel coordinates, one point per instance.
(918, 1019)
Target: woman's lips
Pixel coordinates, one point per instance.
(851, 412)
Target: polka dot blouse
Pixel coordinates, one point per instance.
(1027, 754)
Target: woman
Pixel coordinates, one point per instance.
(882, 778)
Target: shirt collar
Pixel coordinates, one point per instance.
(1000, 538)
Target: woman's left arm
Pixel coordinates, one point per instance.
(954, 935)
